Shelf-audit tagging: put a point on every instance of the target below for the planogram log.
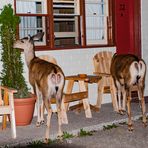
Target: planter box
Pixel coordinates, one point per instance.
(24, 110)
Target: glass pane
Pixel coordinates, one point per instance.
(30, 26)
(63, 0)
(64, 26)
(38, 7)
(63, 11)
(34, 7)
(66, 23)
(92, 21)
(64, 7)
(96, 27)
(63, 42)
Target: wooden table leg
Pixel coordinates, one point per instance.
(69, 91)
(86, 105)
(92, 107)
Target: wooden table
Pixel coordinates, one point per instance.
(82, 94)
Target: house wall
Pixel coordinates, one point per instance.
(72, 62)
(80, 60)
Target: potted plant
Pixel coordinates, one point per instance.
(12, 72)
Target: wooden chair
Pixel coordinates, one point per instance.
(7, 108)
(102, 62)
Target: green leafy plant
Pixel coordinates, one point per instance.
(85, 133)
(67, 135)
(12, 72)
(35, 144)
(108, 127)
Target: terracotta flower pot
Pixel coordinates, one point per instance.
(24, 110)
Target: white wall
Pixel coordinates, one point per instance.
(4, 2)
(144, 31)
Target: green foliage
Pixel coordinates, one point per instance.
(67, 135)
(108, 127)
(85, 133)
(12, 72)
(35, 144)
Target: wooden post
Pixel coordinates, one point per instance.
(69, 91)
(85, 101)
(6, 102)
(12, 115)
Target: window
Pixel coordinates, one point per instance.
(32, 18)
(96, 21)
(66, 23)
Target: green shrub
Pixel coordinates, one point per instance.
(12, 72)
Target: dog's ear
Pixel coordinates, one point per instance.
(38, 36)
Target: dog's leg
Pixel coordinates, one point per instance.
(39, 97)
(141, 98)
(49, 113)
(42, 109)
(59, 112)
(123, 100)
(130, 126)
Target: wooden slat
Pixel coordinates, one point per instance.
(87, 78)
(93, 78)
(75, 96)
(8, 89)
(6, 102)
(76, 107)
(5, 110)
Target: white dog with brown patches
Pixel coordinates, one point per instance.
(46, 78)
(127, 71)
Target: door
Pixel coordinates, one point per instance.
(128, 26)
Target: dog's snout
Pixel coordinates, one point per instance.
(56, 88)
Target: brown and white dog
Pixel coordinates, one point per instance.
(46, 78)
(128, 70)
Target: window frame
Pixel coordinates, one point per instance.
(49, 27)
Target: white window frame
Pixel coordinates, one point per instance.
(106, 13)
(44, 6)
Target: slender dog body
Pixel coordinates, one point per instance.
(46, 78)
(127, 71)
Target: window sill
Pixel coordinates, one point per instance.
(46, 48)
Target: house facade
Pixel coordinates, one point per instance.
(75, 30)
